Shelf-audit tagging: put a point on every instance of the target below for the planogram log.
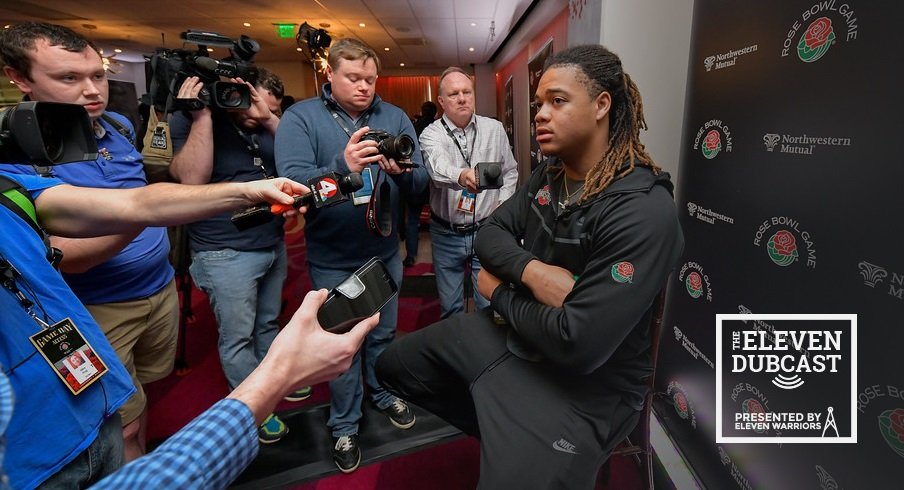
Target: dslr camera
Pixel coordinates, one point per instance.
(399, 147)
(488, 175)
(46, 133)
(168, 68)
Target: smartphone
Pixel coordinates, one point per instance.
(359, 296)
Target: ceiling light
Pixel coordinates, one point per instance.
(470, 49)
(385, 49)
(117, 50)
(401, 64)
(362, 25)
(246, 24)
(7, 26)
(324, 25)
(297, 49)
(210, 50)
(473, 24)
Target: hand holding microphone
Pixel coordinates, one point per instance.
(326, 190)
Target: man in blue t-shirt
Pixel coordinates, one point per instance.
(242, 271)
(125, 280)
(57, 437)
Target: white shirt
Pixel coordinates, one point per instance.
(483, 140)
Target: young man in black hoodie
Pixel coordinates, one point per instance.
(572, 264)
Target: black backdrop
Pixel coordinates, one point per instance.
(806, 144)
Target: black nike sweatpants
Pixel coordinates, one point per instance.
(539, 428)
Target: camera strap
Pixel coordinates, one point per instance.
(457, 144)
(379, 208)
(254, 148)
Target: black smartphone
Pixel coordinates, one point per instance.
(361, 295)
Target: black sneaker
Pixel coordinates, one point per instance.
(408, 262)
(346, 453)
(399, 414)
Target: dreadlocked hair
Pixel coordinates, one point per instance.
(601, 70)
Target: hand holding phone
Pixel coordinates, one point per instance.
(361, 295)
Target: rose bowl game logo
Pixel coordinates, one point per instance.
(713, 138)
(623, 271)
(684, 407)
(816, 41)
(752, 405)
(891, 425)
(680, 401)
(712, 144)
(543, 196)
(695, 280)
(786, 243)
(782, 248)
(823, 24)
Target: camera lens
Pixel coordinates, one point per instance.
(404, 147)
(53, 141)
(230, 97)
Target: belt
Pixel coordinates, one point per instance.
(462, 229)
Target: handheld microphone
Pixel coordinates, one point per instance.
(326, 190)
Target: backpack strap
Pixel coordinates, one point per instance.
(120, 127)
(15, 198)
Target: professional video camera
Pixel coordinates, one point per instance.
(326, 190)
(46, 133)
(488, 175)
(168, 68)
(399, 147)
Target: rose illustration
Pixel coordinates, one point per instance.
(680, 404)
(782, 248)
(819, 33)
(891, 425)
(711, 144)
(622, 272)
(694, 284)
(815, 42)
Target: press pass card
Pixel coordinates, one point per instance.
(69, 355)
(362, 195)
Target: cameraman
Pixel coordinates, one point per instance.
(56, 438)
(242, 272)
(125, 280)
(324, 134)
(453, 145)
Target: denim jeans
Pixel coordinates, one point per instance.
(245, 290)
(451, 251)
(347, 391)
(103, 457)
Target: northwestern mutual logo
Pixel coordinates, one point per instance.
(818, 28)
(812, 359)
(706, 214)
(727, 59)
(801, 144)
(874, 276)
(712, 138)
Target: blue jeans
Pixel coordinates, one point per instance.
(103, 457)
(346, 391)
(451, 252)
(245, 290)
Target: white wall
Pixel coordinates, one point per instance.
(652, 38)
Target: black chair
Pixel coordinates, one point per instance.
(637, 444)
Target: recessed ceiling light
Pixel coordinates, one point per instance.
(362, 25)
(473, 24)
(246, 24)
(210, 50)
(117, 50)
(7, 26)
(401, 64)
(470, 49)
(385, 49)
(297, 49)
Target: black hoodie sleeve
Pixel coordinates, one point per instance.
(498, 243)
(640, 229)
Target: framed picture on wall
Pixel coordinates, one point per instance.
(508, 116)
(534, 71)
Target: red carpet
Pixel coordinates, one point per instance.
(177, 399)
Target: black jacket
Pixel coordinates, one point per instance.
(601, 331)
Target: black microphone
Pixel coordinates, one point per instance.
(326, 190)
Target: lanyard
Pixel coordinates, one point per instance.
(455, 140)
(254, 147)
(8, 277)
(362, 121)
